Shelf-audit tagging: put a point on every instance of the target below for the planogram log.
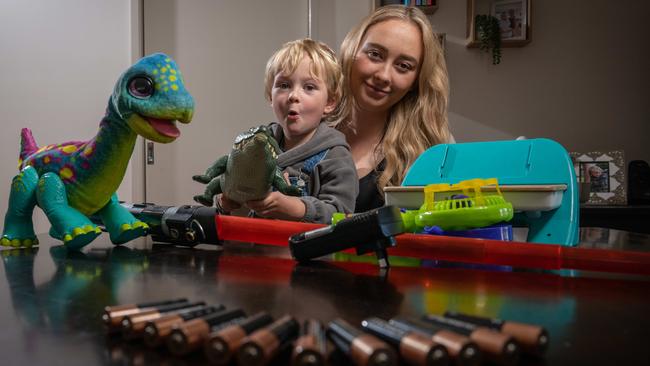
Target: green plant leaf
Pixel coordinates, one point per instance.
(489, 35)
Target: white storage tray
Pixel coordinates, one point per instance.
(523, 197)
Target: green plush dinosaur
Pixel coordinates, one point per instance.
(73, 180)
(248, 172)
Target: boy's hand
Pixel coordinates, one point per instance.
(227, 204)
(278, 206)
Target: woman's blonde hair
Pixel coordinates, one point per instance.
(324, 67)
(419, 120)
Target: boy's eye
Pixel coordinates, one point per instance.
(310, 87)
(282, 85)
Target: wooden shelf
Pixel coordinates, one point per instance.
(426, 9)
(504, 44)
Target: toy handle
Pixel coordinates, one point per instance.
(368, 231)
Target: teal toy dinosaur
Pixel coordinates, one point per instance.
(73, 180)
(248, 172)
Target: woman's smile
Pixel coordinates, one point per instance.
(376, 92)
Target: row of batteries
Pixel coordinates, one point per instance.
(229, 336)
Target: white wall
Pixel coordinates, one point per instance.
(333, 19)
(582, 81)
(59, 61)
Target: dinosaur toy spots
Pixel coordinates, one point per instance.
(67, 173)
(73, 180)
(88, 150)
(68, 149)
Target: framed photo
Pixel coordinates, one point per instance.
(603, 173)
(513, 18)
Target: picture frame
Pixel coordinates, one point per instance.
(513, 19)
(520, 38)
(605, 173)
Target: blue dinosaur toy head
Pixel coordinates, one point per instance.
(151, 96)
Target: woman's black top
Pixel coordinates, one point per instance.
(369, 196)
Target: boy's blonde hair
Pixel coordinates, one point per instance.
(419, 120)
(324, 67)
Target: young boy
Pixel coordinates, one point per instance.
(303, 84)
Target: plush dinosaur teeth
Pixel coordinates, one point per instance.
(164, 126)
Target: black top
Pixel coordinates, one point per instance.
(369, 196)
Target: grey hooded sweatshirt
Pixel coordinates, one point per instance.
(332, 183)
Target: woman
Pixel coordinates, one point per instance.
(395, 100)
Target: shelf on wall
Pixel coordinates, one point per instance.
(426, 9)
(475, 7)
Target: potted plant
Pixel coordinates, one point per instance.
(489, 35)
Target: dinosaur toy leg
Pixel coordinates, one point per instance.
(19, 229)
(121, 225)
(214, 187)
(216, 169)
(68, 224)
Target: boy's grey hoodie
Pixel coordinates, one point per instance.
(333, 183)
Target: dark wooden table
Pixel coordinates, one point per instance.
(52, 299)
(634, 218)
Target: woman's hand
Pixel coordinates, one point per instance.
(278, 206)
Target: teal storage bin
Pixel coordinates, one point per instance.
(517, 162)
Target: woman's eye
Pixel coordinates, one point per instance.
(141, 87)
(374, 55)
(404, 67)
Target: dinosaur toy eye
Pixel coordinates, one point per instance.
(141, 87)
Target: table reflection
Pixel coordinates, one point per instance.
(57, 297)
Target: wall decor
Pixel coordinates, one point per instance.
(605, 173)
(514, 17)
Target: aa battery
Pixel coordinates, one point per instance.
(462, 350)
(533, 339)
(191, 334)
(310, 349)
(133, 325)
(223, 344)
(498, 347)
(415, 348)
(362, 348)
(262, 345)
(113, 315)
(155, 331)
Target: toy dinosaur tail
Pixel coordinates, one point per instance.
(27, 144)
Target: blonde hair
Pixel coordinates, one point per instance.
(417, 121)
(324, 67)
